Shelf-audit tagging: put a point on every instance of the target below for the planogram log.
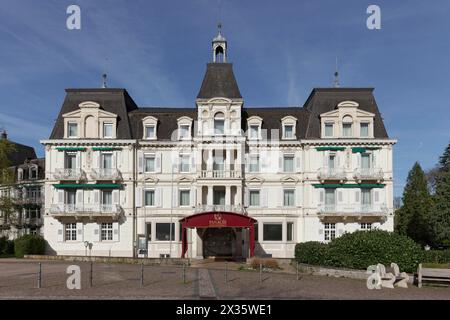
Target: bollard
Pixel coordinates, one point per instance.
(297, 270)
(260, 273)
(91, 275)
(142, 275)
(39, 275)
(226, 272)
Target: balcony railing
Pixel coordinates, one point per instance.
(85, 209)
(30, 200)
(69, 174)
(356, 210)
(106, 174)
(220, 208)
(331, 174)
(368, 174)
(33, 221)
(220, 174)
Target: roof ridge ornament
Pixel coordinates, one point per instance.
(336, 83)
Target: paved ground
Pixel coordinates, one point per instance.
(18, 279)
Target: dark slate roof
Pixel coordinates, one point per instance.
(272, 119)
(117, 101)
(323, 100)
(167, 120)
(20, 154)
(40, 162)
(219, 81)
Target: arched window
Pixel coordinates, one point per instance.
(219, 54)
(347, 126)
(219, 123)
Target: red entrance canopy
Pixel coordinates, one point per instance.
(218, 220)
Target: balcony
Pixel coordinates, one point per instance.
(30, 201)
(85, 210)
(220, 208)
(331, 174)
(69, 175)
(365, 174)
(106, 175)
(372, 210)
(219, 174)
(32, 222)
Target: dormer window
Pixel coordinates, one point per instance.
(184, 128)
(254, 124)
(150, 132)
(149, 124)
(108, 130)
(184, 132)
(289, 124)
(329, 129)
(364, 130)
(347, 126)
(72, 130)
(254, 132)
(20, 175)
(219, 123)
(33, 173)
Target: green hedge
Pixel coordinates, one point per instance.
(6, 246)
(360, 249)
(29, 244)
(437, 256)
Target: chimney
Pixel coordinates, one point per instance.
(3, 135)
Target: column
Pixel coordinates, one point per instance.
(227, 195)
(210, 196)
(239, 196)
(210, 160)
(199, 196)
(228, 161)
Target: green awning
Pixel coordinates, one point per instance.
(350, 185)
(362, 150)
(88, 186)
(71, 149)
(330, 148)
(105, 148)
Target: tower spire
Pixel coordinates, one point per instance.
(104, 84)
(219, 46)
(336, 83)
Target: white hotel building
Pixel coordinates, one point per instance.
(124, 181)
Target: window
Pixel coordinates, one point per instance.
(107, 130)
(184, 163)
(149, 198)
(288, 131)
(219, 123)
(184, 132)
(70, 197)
(288, 163)
(331, 161)
(329, 129)
(290, 231)
(330, 231)
(185, 197)
(254, 198)
(254, 163)
(148, 229)
(219, 197)
(254, 132)
(72, 130)
(330, 198)
(107, 198)
(218, 163)
(149, 164)
(366, 226)
(256, 228)
(165, 231)
(71, 160)
(365, 161)
(71, 231)
(33, 173)
(20, 174)
(347, 128)
(366, 199)
(150, 132)
(364, 130)
(107, 160)
(288, 198)
(107, 231)
(273, 232)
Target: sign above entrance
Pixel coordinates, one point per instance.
(218, 221)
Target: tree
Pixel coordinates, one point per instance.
(413, 218)
(444, 160)
(6, 148)
(440, 217)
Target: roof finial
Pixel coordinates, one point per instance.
(104, 76)
(219, 27)
(336, 83)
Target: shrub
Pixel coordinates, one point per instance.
(437, 256)
(360, 249)
(312, 252)
(6, 246)
(29, 244)
(266, 263)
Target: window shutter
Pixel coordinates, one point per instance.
(247, 162)
(321, 196)
(193, 194)
(94, 162)
(61, 233)
(116, 197)
(96, 196)
(175, 197)
(298, 196)
(138, 195)
(78, 160)
(281, 201)
(60, 197)
(298, 164)
(376, 196)
(263, 198)
(158, 162)
(338, 161)
(80, 231)
(357, 196)
(97, 233)
(374, 162)
(358, 160)
(325, 159)
(246, 197)
(115, 231)
(340, 196)
(80, 200)
(159, 196)
(99, 159)
(114, 160)
(280, 163)
(140, 156)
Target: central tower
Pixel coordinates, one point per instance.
(219, 46)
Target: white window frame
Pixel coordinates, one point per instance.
(329, 231)
(107, 229)
(293, 231)
(366, 226)
(149, 121)
(272, 223)
(251, 157)
(189, 198)
(145, 198)
(147, 137)
(149, 156)
(187, 158)
(293, 196)
(289, 121)
(70, 228)
(325, 129)
(69, 124)
(292, 156)
(105, 124)
(368, 129)
(250, 198)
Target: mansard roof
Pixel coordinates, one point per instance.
(116, 101)
(219, 81)
(20, 154)
(322, 100)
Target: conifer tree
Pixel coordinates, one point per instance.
(440, 215)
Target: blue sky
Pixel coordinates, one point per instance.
(157, 50)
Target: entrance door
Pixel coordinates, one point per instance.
(218, 242)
